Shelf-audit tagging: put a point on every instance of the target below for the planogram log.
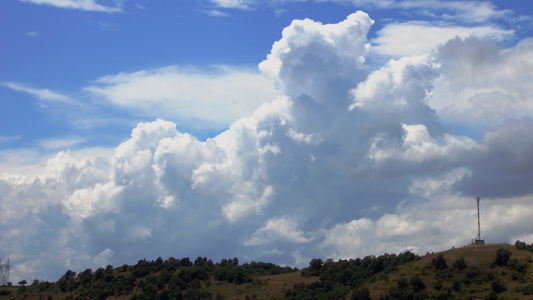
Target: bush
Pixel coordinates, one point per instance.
(361, 294)
(456, 286)
(438, 285)
(417, 284)
(502, 257)
(498, 286)
(459, 264)
(439, 262)
(527, 290)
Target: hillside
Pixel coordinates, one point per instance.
(469, 273)
(496, 271)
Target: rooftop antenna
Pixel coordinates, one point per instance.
(4, 273)
(478, 240)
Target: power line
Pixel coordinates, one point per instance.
(24, 274)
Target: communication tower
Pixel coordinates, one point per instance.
(4, 273)
(478, 240)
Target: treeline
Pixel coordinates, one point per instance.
(159, 279)
(338, 279)
(343, 279)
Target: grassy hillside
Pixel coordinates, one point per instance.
(496, 271)
(479, 277)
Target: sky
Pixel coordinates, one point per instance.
(275, 131)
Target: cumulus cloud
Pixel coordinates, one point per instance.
(207, 99)
(283, 228)
(347, 161)
(421, 229)
(484, 84)
(311, 57)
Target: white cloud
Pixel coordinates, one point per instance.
(88, 5)
(399, 84)
(415, 38)
(83, 203)
(202, 99)
(240, 4)
(61, 143)
(275, 229)
(431, 227)
(7, 139)
(483, 84)
(465, 11)
(215, 13)
(311, 56)
(470, 11)
(21, 160)
(246, 199)
(41, 94)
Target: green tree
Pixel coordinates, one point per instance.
(439, 262)
(456, 285)
(23, 282)
(502, 257)
(459, 264)
(315, 265)
(417, 283)
(520, 245)
(361, 294)
(498, 286)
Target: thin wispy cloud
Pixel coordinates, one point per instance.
(215, 13)
(239, 4)
(41, 94)
(61, 143)
(88, 5)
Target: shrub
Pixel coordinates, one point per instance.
(502, 257)
(459, 264)
(417, 284)
(438, 285)
(439, 262)
(498, 286)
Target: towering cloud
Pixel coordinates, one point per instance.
(348, 161)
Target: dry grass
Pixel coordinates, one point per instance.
(263, 287)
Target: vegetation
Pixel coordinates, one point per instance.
(472, 272)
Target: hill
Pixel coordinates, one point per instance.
(496, 271)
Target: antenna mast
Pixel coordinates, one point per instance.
(478, 240)
(4, 273)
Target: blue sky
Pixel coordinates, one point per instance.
(268, 130)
